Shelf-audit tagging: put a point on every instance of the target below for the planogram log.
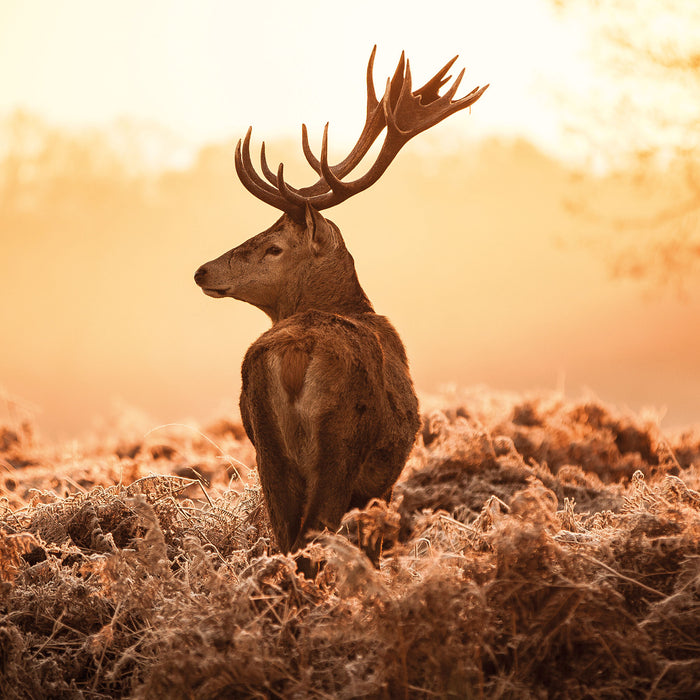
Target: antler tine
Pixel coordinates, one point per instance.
(340, 189)
(265, 167)
(289, 193)
(404, 99)
(250, 171)
(308, 153)
(391, 126)
(453, 90)
(431, 90)
(284, 188)
(255, 184)
(372, 101)
(248, 182)
(469, 99)
(274, 179)
(397, 80)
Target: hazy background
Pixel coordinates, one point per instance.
(549, 239)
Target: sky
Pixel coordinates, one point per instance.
(208, 69)
(512, 298)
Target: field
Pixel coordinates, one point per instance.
(536, 547)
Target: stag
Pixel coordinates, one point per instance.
(327, 399)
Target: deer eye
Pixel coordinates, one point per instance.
(273, 250)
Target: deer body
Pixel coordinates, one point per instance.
(330, 407)
(327, 399)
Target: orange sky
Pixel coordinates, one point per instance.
(208, 69)
(482, 287)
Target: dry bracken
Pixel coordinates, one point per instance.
(503, 575)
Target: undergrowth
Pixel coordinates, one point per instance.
(535, 548)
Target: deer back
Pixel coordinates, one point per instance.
(328, 401)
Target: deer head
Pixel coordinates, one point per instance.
(288, 268)
(301, 262)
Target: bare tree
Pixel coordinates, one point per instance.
(650, 49)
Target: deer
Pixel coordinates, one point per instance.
(327, 399)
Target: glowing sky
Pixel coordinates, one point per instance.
(209, 68)
(206, 69)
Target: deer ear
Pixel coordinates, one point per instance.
(320, 231)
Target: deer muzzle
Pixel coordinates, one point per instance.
(203, 279)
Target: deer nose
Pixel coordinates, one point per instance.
(200, 275)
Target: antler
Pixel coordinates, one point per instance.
(404, 114)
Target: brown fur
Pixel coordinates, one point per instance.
(326, 395)
(294, 362)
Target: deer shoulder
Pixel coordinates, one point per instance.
(316, 363)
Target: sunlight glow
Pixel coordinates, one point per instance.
(208, 69)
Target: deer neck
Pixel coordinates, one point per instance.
(331, 288)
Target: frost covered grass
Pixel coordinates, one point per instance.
(535, 547)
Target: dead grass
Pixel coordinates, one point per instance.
(535, 548)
